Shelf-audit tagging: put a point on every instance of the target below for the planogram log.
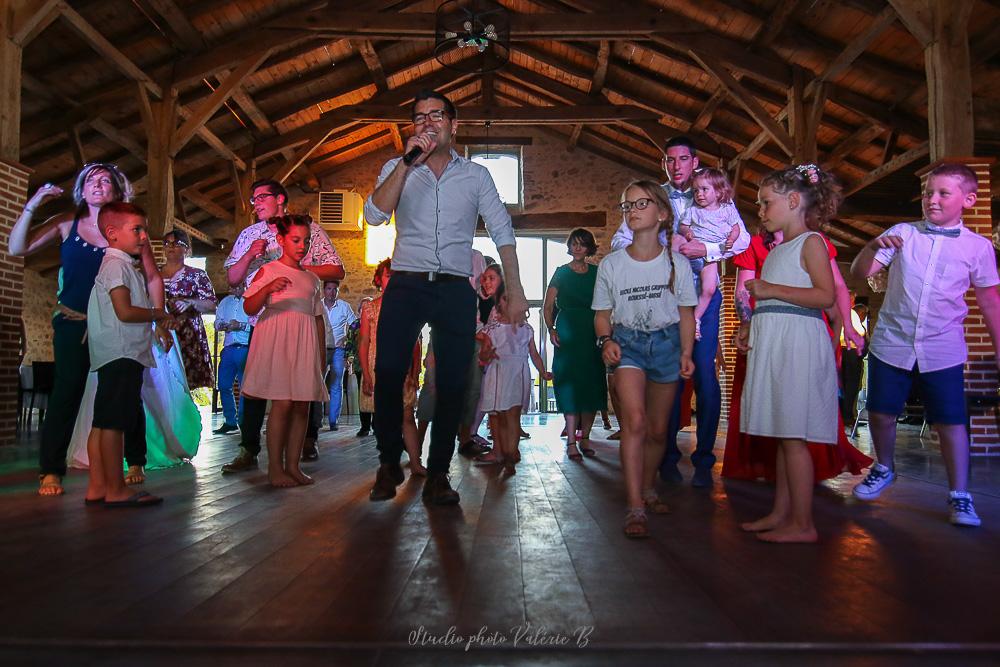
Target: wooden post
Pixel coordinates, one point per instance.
(942, 27)
(10, 89)
(160, 119)
(949, 80)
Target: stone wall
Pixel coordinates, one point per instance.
(39, 304)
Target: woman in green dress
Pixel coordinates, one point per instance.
(580, 382)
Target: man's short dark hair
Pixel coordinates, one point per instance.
(681, 141)
(428, 94)
(272, 185)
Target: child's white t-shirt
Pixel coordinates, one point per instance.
(109, 338)
(637, 293)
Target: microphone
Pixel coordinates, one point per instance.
(414, 153)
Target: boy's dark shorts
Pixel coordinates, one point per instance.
(943, 391)
(118, 401)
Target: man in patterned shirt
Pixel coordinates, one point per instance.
(256, 246)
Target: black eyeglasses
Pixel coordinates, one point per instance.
(256, 198)
(436, 115)
(638, 204)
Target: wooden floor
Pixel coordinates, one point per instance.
(230, 571)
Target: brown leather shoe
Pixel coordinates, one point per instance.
(244, 461)
(438, 491)
(388, 477)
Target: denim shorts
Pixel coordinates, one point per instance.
(656, 353)
(943, 391)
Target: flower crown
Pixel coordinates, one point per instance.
(809, 171)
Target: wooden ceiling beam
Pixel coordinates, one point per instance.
(853, 49)
(206, 204)
(177, 22)
(105, 48)
(890, 167)
(498, 115)
(401, 95)
(746, 100)
(120, 137)
(917, 17)
(30, 19)
(420, 26)
(208, 107)
(368, 53)
(861, 138)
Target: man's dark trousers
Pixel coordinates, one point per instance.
(449, 307)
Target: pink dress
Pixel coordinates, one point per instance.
(284, 363)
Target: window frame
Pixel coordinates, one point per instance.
(501, 150)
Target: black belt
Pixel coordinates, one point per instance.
(430, 276)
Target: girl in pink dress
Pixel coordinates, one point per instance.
(287, 348)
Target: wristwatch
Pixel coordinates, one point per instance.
(601, 340)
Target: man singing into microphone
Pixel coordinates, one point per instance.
(256, 246)
(437, 197)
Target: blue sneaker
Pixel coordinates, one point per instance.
(963, 512)
(875, 482)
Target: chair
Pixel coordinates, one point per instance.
(25, 386)
(43, 380)
(862, 407)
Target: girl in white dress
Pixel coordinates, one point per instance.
(507, 382)
(288, 348)
(791, 384)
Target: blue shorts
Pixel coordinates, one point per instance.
(656, 353)
(943, 391)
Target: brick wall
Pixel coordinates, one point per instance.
(727, 329)
(981, 368)
(13, 195)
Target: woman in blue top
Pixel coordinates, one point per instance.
(81, 250)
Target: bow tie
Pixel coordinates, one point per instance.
(950, 232)
(677, 194)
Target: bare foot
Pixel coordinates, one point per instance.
(50, 485)
(281, 480)
(135, 475)
(300, 477)
(769, 522)
(789, 535)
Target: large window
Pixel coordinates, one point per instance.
(538, 256)
(504, 166)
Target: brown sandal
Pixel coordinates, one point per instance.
(573, 453)
(636, 525)
(654, 504)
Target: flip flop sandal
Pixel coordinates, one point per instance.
(135, 500)
(93, 501)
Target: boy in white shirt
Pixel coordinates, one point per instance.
(120, 335)
(919, 334)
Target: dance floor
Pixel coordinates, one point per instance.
(532, 569)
